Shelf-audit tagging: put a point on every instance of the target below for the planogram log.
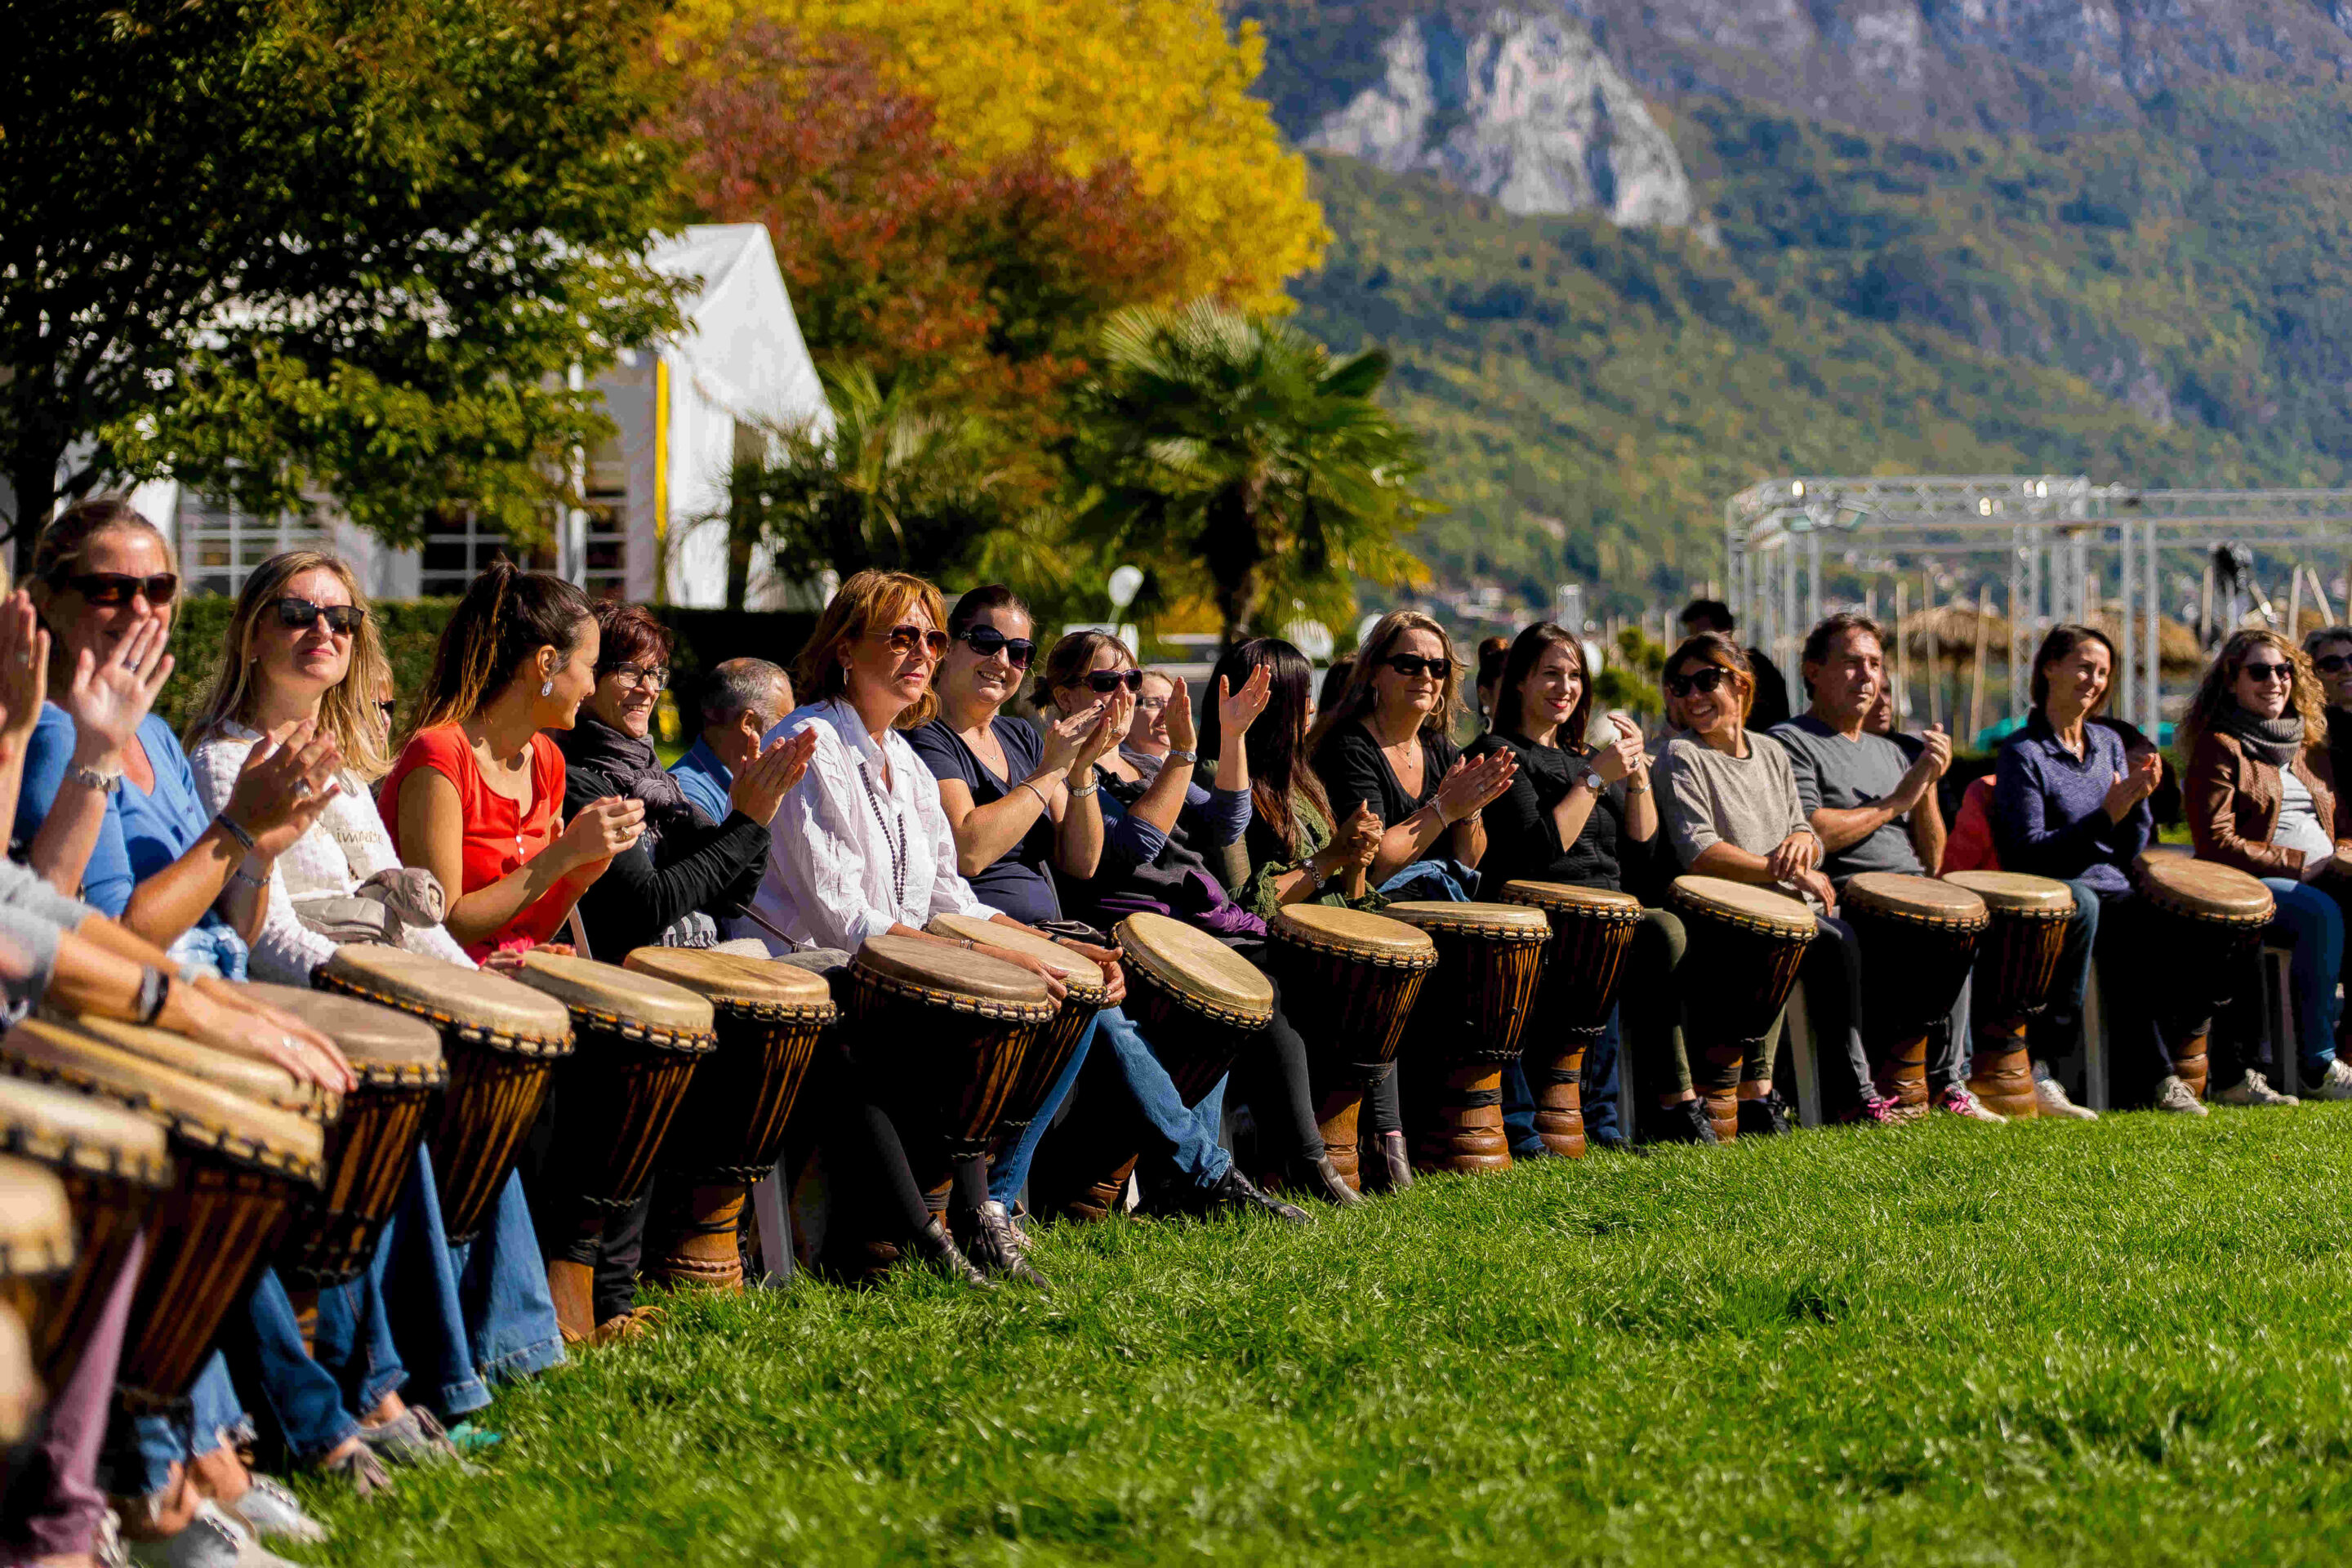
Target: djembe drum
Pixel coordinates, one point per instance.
(1199, 1005)
(1350, 979)
(21, 1391)
(2205, 924)
(241, 1167)
(372, 1147)
(1742, 948)
(1049, 1053)
(1591, 931)
(115, 1167)
(945, 1031)
(1467, 1027)
(2017, 962)
(638, 1041)
(36, 1232)
(1918, 937)
(730, 1130)
(499, 1045)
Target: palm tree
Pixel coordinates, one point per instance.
(1233, 453)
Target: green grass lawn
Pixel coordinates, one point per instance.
(1948, 1343)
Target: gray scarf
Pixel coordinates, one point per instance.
(2277, 741)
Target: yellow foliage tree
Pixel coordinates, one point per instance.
(1160, 83)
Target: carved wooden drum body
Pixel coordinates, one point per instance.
(1467, 1026)
(1744, 944)
(1591, 933)
(2205, 925)
(2017, 964)
(1918, 937)
(1350, 979)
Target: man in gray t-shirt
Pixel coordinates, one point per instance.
(1870, 797)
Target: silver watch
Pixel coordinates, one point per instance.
(1179, 754)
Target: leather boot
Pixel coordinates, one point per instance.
(933, 1246)
(1317, 1178)
(1398, 1163)
(572, 1287)
(995, 1247)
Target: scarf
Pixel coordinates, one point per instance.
(632, 766)
(2277, 741)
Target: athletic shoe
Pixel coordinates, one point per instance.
(1874, 1112)
(1765, 1116)
(268, 1509)
(1684, 1122)
(2337, 1083)
(2175, 1096)
(2254, 1090)
(1957, 1102)
(411, 1438)
(2049, 1098)
(211, 1539)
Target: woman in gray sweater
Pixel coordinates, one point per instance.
(1728, 800)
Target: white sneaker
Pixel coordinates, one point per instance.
(2254, 1090)
(2175, 1096)
(2337, 1084)
(267, 1510)
(2050, 1100)
(212, 1540)
(1957, 1102)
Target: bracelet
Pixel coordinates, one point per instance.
(1633, 788)
(102, 780)
(235, 831)
(1031, 786)
(1093, 783)
(249, 879)
(154, 990)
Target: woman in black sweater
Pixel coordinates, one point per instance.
(1573, 813)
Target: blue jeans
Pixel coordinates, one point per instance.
(2313, 921)
(303, 1396)
(1431, 882)
(1597, 1089)
(1185, 1140)
(502, 1284)
(142, 1452)
(418, 1270)
(1008, 1175)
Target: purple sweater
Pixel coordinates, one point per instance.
(2049, 809)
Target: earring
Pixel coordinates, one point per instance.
(547, 688)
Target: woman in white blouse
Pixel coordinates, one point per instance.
(862, 847)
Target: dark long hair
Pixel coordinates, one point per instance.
(507, 616)
(1528, 650)
(1277, 741)
(2062, 641)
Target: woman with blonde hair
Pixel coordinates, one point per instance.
(2262, 796)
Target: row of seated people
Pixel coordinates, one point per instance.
(527, 798)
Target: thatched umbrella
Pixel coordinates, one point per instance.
(2176, 645)
(1949, 632)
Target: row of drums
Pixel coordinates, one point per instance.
(690, 1063)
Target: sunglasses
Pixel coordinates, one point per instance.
(2335, 663)
(1103, 682)
(1706, 679)
(118, 587)
(988, 642)
(2267, 672)
(1410, 664)
(341, 619)
(907, 639)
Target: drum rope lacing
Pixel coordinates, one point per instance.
(896, 841)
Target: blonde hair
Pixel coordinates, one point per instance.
(1356, 697)
(346, 709)
(868, 602)
(2217, 692)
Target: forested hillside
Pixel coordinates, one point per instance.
(2154, 287)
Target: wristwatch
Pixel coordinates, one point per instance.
(105, 781)
(1179, 754)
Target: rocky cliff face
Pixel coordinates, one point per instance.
(1526, 109)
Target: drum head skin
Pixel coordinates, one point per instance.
(1353, 933)
(20, 1389)
(1084, 978)
(2015, 893)
(1744, 903)
(1921, 899)
(955, 977)
(2203, 890)
(730, 980)
(73, 1132)
(478, 1005)
(197, 1112)
(1488, 923)
(379, 1040)
(1191, 964)
(608, 990)
(36, 1227)
(246, 1076)
(1599, 903)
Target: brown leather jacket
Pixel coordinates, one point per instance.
(2234, 800)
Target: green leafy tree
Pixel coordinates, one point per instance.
(279, 247)
(1235, 456)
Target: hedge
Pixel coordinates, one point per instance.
(410, 629)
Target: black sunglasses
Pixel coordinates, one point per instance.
(1412, 664)
(1706, 679)
(2268, 671)
(341, 619)
(2335, 663)
(908, 638)
(987, 641)
(118, 588)
(1103, 682)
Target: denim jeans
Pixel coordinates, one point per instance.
(1596, 1089)
(2310, 918)
(142, 1450)
(1184, 1142)
(306, 1401)
(421, 1301)
(1431, 882)
(1008, 1175)
(502, 1287)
